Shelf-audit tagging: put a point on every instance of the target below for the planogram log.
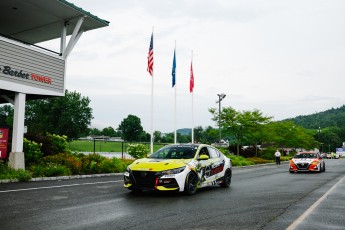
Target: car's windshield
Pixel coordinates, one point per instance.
(306, 155)
(175, 152)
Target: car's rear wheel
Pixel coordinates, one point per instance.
(226, 179)
(191, 183)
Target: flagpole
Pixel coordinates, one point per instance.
(151, 125)
(151, 132)
(192, 106)
(175, 135)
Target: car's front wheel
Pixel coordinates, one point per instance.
(226, 179)
(191, 183)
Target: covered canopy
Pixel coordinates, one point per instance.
(35, 21)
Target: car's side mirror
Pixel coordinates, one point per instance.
(203, 157)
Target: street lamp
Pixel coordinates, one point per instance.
(221, 97)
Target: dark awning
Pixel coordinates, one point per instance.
(35, 21)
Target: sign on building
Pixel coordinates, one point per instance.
(24, 69)
(3, 142)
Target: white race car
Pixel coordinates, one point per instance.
(179, 167)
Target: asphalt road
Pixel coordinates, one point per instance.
(265, 197)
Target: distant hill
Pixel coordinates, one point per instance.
(331, 117)
(184, 131)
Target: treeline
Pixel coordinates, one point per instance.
(71, 116)
(328, 126)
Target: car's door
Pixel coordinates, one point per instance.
(217, 163)
(204, 166)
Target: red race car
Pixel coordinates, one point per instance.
(307, 162)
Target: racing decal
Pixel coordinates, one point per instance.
(217, 167)
(207, 171)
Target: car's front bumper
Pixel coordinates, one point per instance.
(304, 167)
(147, 180)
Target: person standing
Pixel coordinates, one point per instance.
(277, 155)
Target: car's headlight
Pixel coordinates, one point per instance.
(315, 162)
(173, 171)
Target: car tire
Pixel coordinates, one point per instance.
(226, 179)
(320, 169)
(191, 183)
(324, 168)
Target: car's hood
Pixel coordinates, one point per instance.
(150, 164)
(303, 160)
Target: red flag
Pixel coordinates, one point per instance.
(191, 82)
(150, 57)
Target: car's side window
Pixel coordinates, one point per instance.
(204, 151)
(213, 152)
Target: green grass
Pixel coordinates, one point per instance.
(104, 146)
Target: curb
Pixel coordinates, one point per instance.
(107, 174)
(63, 177)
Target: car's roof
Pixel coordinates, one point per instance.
(185, 145)
(306, 153)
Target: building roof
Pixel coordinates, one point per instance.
(35, 21)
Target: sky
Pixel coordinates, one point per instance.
(284, 58)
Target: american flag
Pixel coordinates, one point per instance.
(150, 57)
(191, 82)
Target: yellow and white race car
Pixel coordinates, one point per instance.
(179, 167)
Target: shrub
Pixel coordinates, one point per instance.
(51, 144)
(9, 173)
(258, 160)
(23, 175)
(121, 165)
(59, 143)
(32, 151)
(91, 163)
(113, 165)
(268, 153)
(239, 160)
(68, 160)
(49, 170)
(137, 150)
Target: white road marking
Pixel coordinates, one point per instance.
(312, 208)
(60, 186)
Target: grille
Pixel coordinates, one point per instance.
(144, 179)
(303, 166)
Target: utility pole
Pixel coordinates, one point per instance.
(220, 98)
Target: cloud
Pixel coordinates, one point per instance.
(283, 58)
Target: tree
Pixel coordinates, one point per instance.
(109, 131)
(289, 135)
(329, 138)
(157, 136)
(199, 135)
(69, 115)
(210, 135)
(95, 132)
(241, 125)
(6, 116)
(168, 138)
(131, 128)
